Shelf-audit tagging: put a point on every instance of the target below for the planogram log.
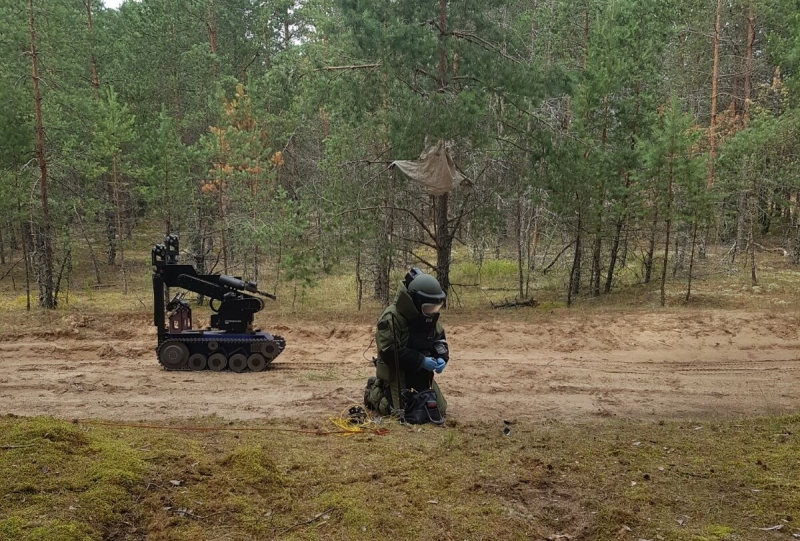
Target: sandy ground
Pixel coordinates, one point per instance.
(646, 365)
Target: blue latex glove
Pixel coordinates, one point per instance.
(429, 364)
(440, 364)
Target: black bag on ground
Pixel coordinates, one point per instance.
(421, 408)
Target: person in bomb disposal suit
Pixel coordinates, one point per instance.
(411, 347)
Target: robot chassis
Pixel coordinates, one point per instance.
(230, 342)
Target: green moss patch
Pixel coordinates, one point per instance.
(608, 480)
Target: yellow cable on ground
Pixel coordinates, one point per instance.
(354, 420)
(344, 430)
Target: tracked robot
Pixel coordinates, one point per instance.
(230, 342)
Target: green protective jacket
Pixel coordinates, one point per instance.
(399, 324)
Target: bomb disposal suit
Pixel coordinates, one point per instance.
(411, 345)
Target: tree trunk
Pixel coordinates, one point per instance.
(533, 245)
(741, 225)
(763, 210)
(748, 77)
(748, 63)
(197, 241)
(167, 204)
(520, 248)
(27, 248)
(444, 241)
(664, 268)
(668, 223)
(256, 206)
(651, 248)
(211, 26)
(575, 272)
(384, 246)
(596, 270)
(625, 197)
(287, 34)
(623, 259)
(702, 242)
(586, 38)
(714, 81)
(222, 223)
(681, 242)
(691, 260)
(89, 244)
(111, 228)
(382, 270)
(92, 57)
(46, 293)
(598, 239)
(442, 50)
(752, 242)
(175, 90)
(118, 212)
(359, 281)
(13, 246)
(614, 251)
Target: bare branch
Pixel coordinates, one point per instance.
(489, 46)
(548, 267)
(415, 241)
(422, 260)
(11, 268)
(368, 162)
(383, 208)
(472, 38)
(351, 67)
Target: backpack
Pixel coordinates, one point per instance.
(421, 407)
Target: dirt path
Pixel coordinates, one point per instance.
(694, 363)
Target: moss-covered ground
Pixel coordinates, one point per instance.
(610, 479)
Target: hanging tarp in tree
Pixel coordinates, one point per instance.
(435, 170)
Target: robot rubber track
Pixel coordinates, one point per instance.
(230, 343)
(211, 351)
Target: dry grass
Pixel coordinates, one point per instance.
(717, 284)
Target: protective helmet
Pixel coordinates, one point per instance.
(426, 293)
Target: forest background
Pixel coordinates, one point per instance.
(604, 142)
(613, 150)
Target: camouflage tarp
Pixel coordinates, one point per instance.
(435, 170)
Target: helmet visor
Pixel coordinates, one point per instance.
(429, 308)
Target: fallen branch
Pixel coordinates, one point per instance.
(17, 446)
(309, 521)
(515, 303)
(184, 513)
(498, 288)
(782, 251)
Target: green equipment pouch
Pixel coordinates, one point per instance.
(377, 397)
(392, 382)
(382, 370)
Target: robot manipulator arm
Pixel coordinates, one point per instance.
(240, 285)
